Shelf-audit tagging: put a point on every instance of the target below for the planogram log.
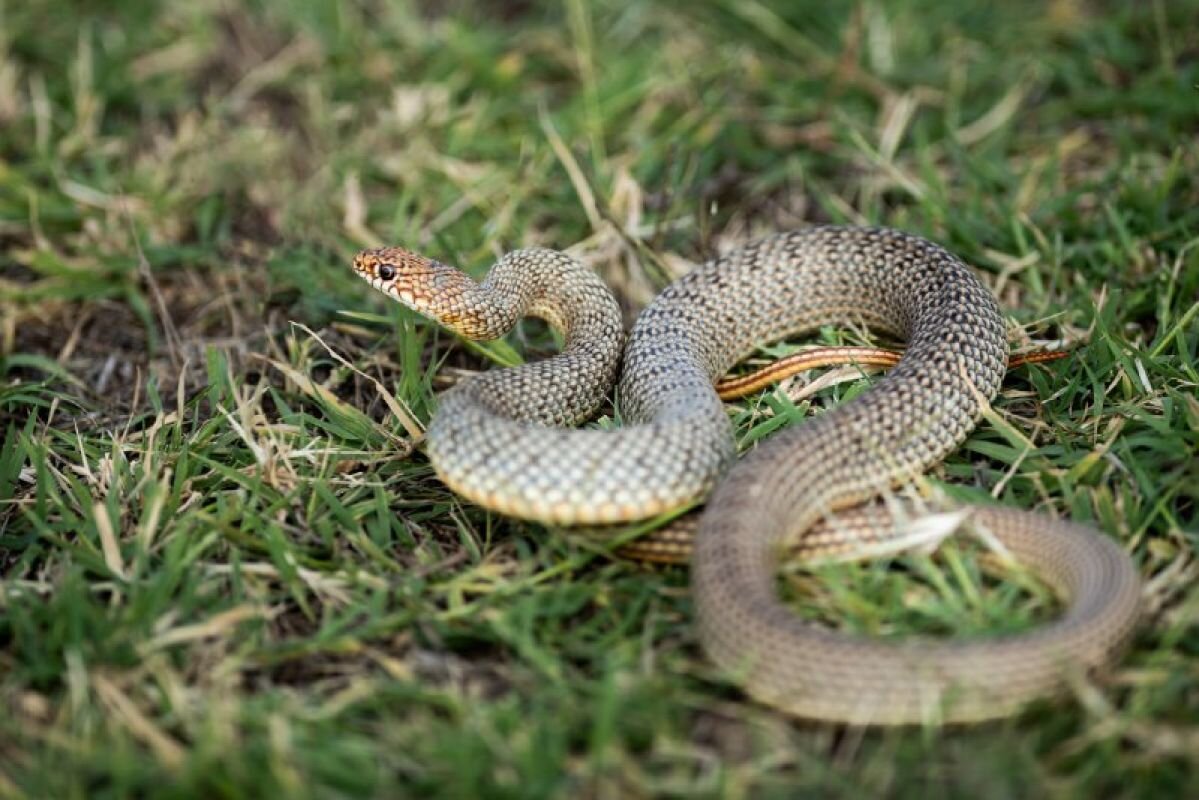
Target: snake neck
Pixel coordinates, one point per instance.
(472, 310)
(551, 286)
(534, 282)
(572, 300)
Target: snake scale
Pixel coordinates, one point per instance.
(502, 439)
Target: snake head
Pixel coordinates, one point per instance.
(436, 290)
(400, 274)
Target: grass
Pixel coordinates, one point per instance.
(229, 571)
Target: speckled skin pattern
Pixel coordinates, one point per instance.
(495, 440)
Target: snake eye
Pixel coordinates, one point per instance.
(386, 272)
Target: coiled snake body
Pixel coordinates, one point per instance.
(499, 440)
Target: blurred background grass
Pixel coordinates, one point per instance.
(228, 572)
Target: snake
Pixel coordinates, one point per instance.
(506, 440)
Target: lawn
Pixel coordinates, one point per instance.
(226, 567)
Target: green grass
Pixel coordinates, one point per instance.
(228, 572)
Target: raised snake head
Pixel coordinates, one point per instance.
(431, 288)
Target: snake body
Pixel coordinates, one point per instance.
(498, 440)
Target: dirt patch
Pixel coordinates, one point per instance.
(111, 347)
